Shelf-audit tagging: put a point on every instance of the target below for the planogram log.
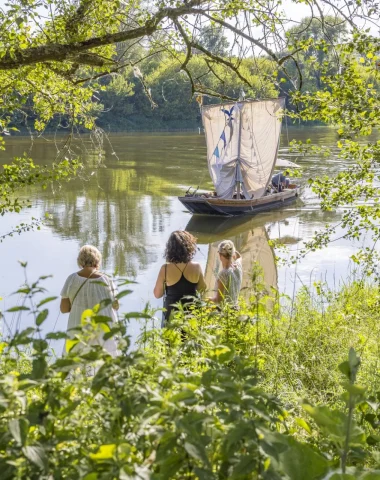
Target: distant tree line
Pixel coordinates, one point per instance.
(125, 105)
(156, 94)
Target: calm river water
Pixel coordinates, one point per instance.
(129, 208)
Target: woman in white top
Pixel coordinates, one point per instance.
(87, 288)
(228, 283)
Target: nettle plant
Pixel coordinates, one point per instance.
(185, 403)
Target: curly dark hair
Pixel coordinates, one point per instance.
(181, 247)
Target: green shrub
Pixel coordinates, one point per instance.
(191, 402)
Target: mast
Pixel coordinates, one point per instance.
(238, 156)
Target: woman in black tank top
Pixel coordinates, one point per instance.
(179, 252)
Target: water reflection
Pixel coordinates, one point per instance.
(250, 237)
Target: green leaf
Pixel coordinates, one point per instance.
(203, 474)
(303, 424)
(70, 343)
(36, 455)
(23, 338)
(46, 300)
(41, 317)
(334, 424)
(39, 368)
(91, 476)
(196, 451)
(101, 319)
(373, 439)
(19, 428)
(123, 294)
(353, 360)
(187, 396)
(56, 335)
(18, 309)
(105, 452)
(344, 367)
(246, 465)
(297, 460)
(137, 315)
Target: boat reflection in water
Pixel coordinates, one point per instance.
(251, 240)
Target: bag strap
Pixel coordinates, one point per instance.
(79, 289)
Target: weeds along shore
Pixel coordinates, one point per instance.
(263, 392)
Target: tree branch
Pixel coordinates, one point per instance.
(239, 32)
(60, 52)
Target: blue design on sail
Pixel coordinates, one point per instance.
(229, 113)
(223, 137)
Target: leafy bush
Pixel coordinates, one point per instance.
(186, 404)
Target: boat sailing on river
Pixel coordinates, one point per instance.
(242, 144)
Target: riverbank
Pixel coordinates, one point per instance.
(216, 395)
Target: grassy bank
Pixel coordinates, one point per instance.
(214, 396)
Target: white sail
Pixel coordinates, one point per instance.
(242, 143)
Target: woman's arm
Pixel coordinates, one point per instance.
(159, 288)
(220, 290)
(65, 305)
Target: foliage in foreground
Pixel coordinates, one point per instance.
(186, 404)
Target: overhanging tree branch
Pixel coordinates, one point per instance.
(61, 52)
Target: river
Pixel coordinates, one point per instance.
(129, 206)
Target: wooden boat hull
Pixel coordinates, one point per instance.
(200, 204)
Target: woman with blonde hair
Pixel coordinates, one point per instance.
(179, 277)
(228, 282)
(85, 289)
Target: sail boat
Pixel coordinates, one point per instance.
(242, 144)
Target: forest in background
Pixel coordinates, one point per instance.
(124, 101)
(156, 95)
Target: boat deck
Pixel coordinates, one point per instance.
(203, 204)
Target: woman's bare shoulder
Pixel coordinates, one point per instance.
(195, 265)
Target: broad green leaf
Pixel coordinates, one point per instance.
(39, 368)
(246, 466)
(101, 319)
(203, 474)
(334, 424)
(70, 343)
(187, 396)
(123, 293)
(196, 451)
(105, 452)
(137, 315)
(297, 460)
(91, 476)
(56, 335)
(36, 455)
(41, 317)
(19, 428)
(18, 309)
(303, 424)
(46, 300)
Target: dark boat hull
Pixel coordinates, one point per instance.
(203, 205)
